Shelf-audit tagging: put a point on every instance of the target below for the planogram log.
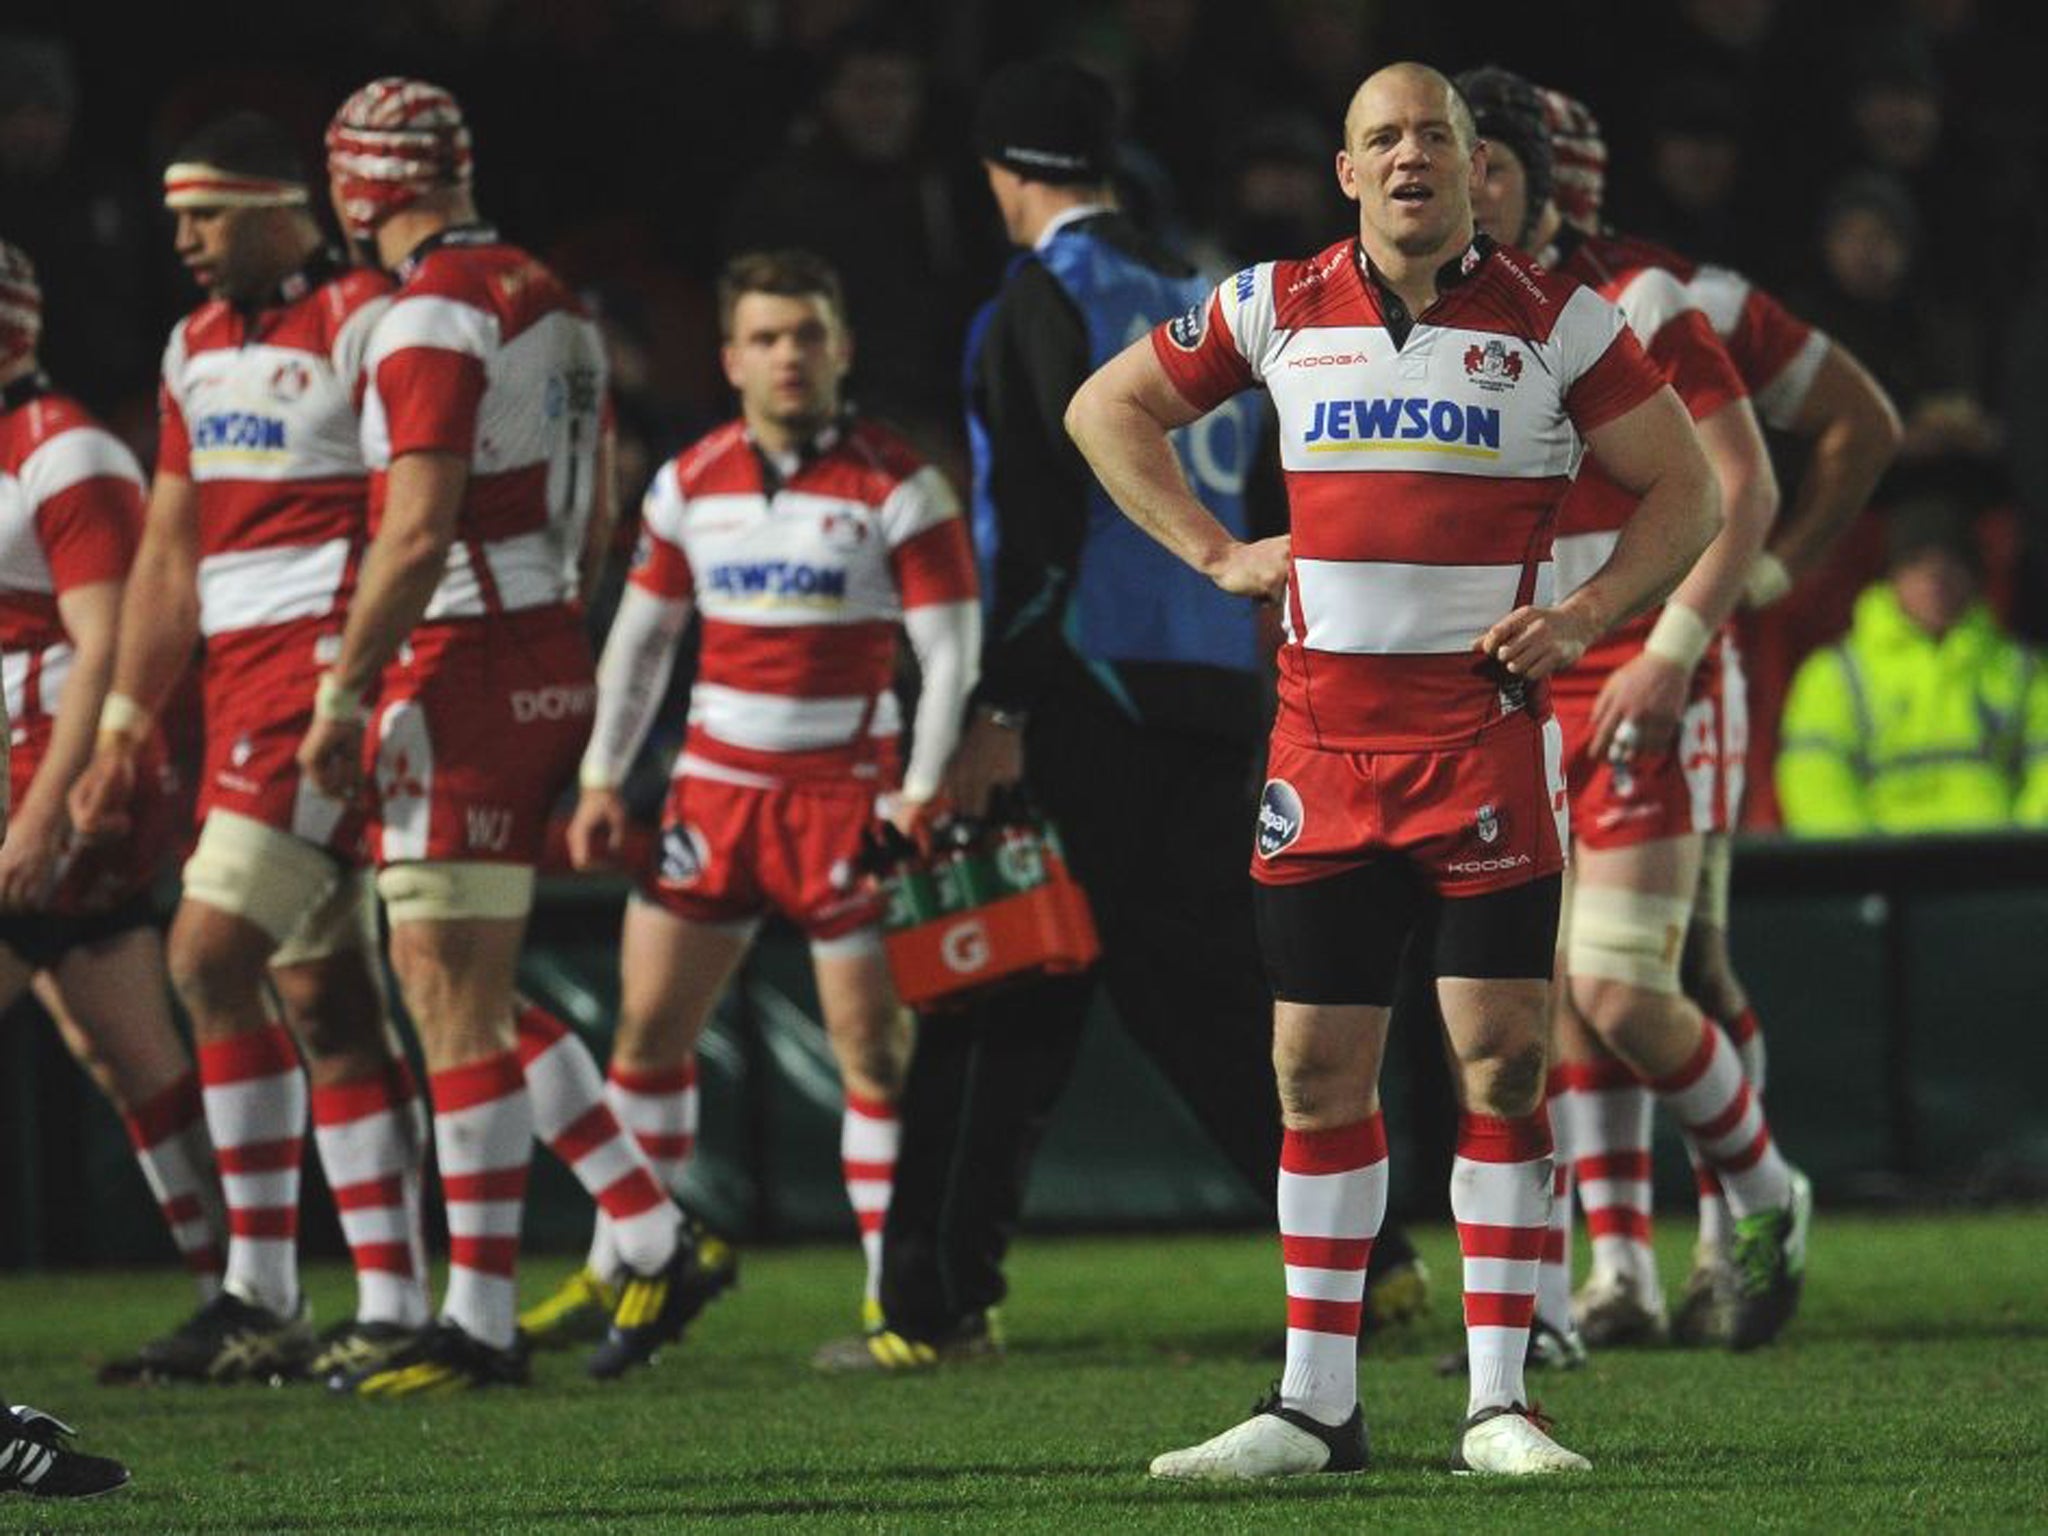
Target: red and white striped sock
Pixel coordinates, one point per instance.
(1717, 1223)
(168, 1132)
(255, 1093)
(1554, 1277)
(1333, 1199)
(483, 1134)
(570, 1114)
(659, 1108)
(869, 1134)
(370, 1151)
(1501, 1181)
(1611, 1167)
(1713, 1103)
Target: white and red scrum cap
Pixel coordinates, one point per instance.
(1578, 159)
(21, 304)
(392, 141)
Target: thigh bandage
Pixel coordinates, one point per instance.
(346, 920)
(444, 891)
(862, 941)
(1717, 866)
(259, 873)
(1627, 936)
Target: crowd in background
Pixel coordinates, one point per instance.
(1876, 163)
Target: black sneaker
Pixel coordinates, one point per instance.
(1550, 1349)
(228, 1339)
(1770, 1267)
(442, 1359)
(351, 1349)
(654, 1309)
(35, 1460)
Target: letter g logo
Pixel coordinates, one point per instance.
(964, 947)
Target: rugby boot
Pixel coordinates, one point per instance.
(1770, 1267)
(442, 1360)
(1512, 1442)
(1273, 1442)
(577, 1311)
(884, 1350)
(654, 1309)
(226, 1340)
(351, 1348)
(36, 1459)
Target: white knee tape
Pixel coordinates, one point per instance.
(1626, 936)
(862, 941)
(346, 920)
(437, 891)
(272, 879)
(1717, 867)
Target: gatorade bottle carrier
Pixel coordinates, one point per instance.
(985, 903)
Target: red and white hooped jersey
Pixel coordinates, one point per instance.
(484, 354)
(801, 582)
(70, 515)
(1681, 344)
(1776, 352)
(1422, 482)
(259, 412)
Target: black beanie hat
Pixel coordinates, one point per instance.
(1508, 110)
(1047, 120)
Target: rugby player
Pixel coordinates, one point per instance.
(1445, 394)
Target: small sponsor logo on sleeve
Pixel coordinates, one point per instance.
(1280, 818)
(1186, 330)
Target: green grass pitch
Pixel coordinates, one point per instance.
(1908, 1396)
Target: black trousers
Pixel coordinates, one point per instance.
(1158, 830)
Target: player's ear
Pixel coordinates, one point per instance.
(1347, 175)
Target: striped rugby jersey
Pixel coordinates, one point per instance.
(258, 410)
(1681, 344)
(1423, 481)
(486, 355)
(70, 515)
(801, 583)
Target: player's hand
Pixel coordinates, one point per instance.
(331, 755)
(1257, 570)
(989, 757)
(99, 796)
(913, 818)
(1638, 709)
(28, 861)
(597, 829)
(1536, 642)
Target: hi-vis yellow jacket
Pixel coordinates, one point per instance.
(1893, 730)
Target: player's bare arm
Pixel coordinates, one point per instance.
(1853, 432)
(1119, 418)
(35, 837)
(604, 510)
(157, 630)
(1653, 452)
(406, 561)
(1650, 689)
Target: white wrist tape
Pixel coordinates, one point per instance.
(1768, 581)
(1679, 636)
(596, 776)
(333, 700)
(122, 716)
